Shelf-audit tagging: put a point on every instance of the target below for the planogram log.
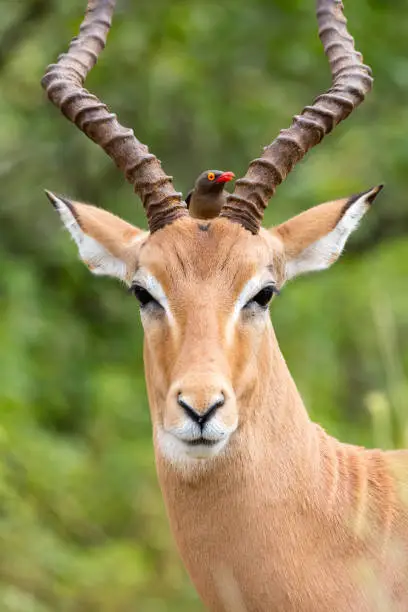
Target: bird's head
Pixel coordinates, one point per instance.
(213, 181)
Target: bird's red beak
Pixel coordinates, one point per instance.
(225, 177)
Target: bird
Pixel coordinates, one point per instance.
(208, 196)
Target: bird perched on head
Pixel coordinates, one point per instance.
(208, 196)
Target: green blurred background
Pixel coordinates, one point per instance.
(205, 84)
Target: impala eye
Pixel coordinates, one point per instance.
(211, 176)
(263, 297)
(143, 296)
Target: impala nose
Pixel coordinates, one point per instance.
(204, 415)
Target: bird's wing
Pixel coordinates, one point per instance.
(188, 198)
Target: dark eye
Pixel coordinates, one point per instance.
(143, 297)
(263, 297)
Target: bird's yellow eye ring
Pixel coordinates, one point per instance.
(211, 176)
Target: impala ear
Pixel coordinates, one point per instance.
(106, 243)
(315, 239)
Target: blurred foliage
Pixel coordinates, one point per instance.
(82, 524)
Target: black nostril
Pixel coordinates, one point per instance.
(186, 407)
(220, 402)
(200, 417)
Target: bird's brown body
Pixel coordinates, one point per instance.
(208, 197)
(202, 206)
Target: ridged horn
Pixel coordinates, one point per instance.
(63, 83)
(351, 82)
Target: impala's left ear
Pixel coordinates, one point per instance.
(107, 244)
(315, 239)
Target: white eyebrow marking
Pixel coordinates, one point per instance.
(250, 289)
(152, 285)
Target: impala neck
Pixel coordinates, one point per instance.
(269, 469)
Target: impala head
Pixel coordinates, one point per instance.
(204, 287)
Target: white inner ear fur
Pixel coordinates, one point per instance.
(324, 252)
(93, 254)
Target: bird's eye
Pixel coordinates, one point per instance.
(263, 297)
(211, 176)
(143, 296)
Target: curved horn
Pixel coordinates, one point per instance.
(63, 83)
(351, 82)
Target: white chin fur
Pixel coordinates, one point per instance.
(180, 453)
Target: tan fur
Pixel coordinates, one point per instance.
(309, 226)
(118, 237)
(286, 518)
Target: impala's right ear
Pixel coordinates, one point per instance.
(107, 244)
(315, 239)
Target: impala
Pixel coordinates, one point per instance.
(268, 511)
